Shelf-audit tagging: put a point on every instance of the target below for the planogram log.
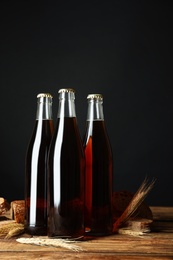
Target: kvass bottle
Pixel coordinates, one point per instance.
(66, 172)
(98, 174)
(36, 168)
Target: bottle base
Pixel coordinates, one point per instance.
(36, 231)
(75, 238)
(98, 233)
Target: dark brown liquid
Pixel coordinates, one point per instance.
(36, 179)
(66, 181)
(98, 181)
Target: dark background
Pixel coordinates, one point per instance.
(122, 49)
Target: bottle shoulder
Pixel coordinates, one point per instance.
(67, 131)
(96, 130)
(42, 132)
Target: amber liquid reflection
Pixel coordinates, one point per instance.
(98, 181)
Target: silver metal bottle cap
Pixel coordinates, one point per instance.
(95, 96)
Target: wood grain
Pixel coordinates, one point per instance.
(156, 245)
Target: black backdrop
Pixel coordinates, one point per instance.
(122, 49)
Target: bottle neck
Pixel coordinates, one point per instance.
(95, 110)
(44, 108)
(66, 104)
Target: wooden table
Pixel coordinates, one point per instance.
(156, 245)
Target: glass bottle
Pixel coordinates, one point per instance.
(66, 172)
(36, 168)
(98, 175)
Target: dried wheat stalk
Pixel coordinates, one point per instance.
(136, 201)
(69, 244)
(15, 231)
(9, 226)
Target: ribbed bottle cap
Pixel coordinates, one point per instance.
(95, 96)
(66, 90)
(44, 95)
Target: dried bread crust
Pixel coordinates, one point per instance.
(120, 201)
(4, 206)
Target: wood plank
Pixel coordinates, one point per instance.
(162, 213)
(55, 256)
(116, 244)
(156, 245)
(69, 256)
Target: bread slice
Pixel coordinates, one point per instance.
(141, 220)
(4, 206)
(121, 200)
(18, 211)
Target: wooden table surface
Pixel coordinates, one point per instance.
(156, 245)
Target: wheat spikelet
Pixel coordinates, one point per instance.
(50, 242)
(136, 201)
(7, 226)
(15, 231)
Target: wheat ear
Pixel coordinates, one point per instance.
(69, 244)
(136, 201)
(8, 225)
